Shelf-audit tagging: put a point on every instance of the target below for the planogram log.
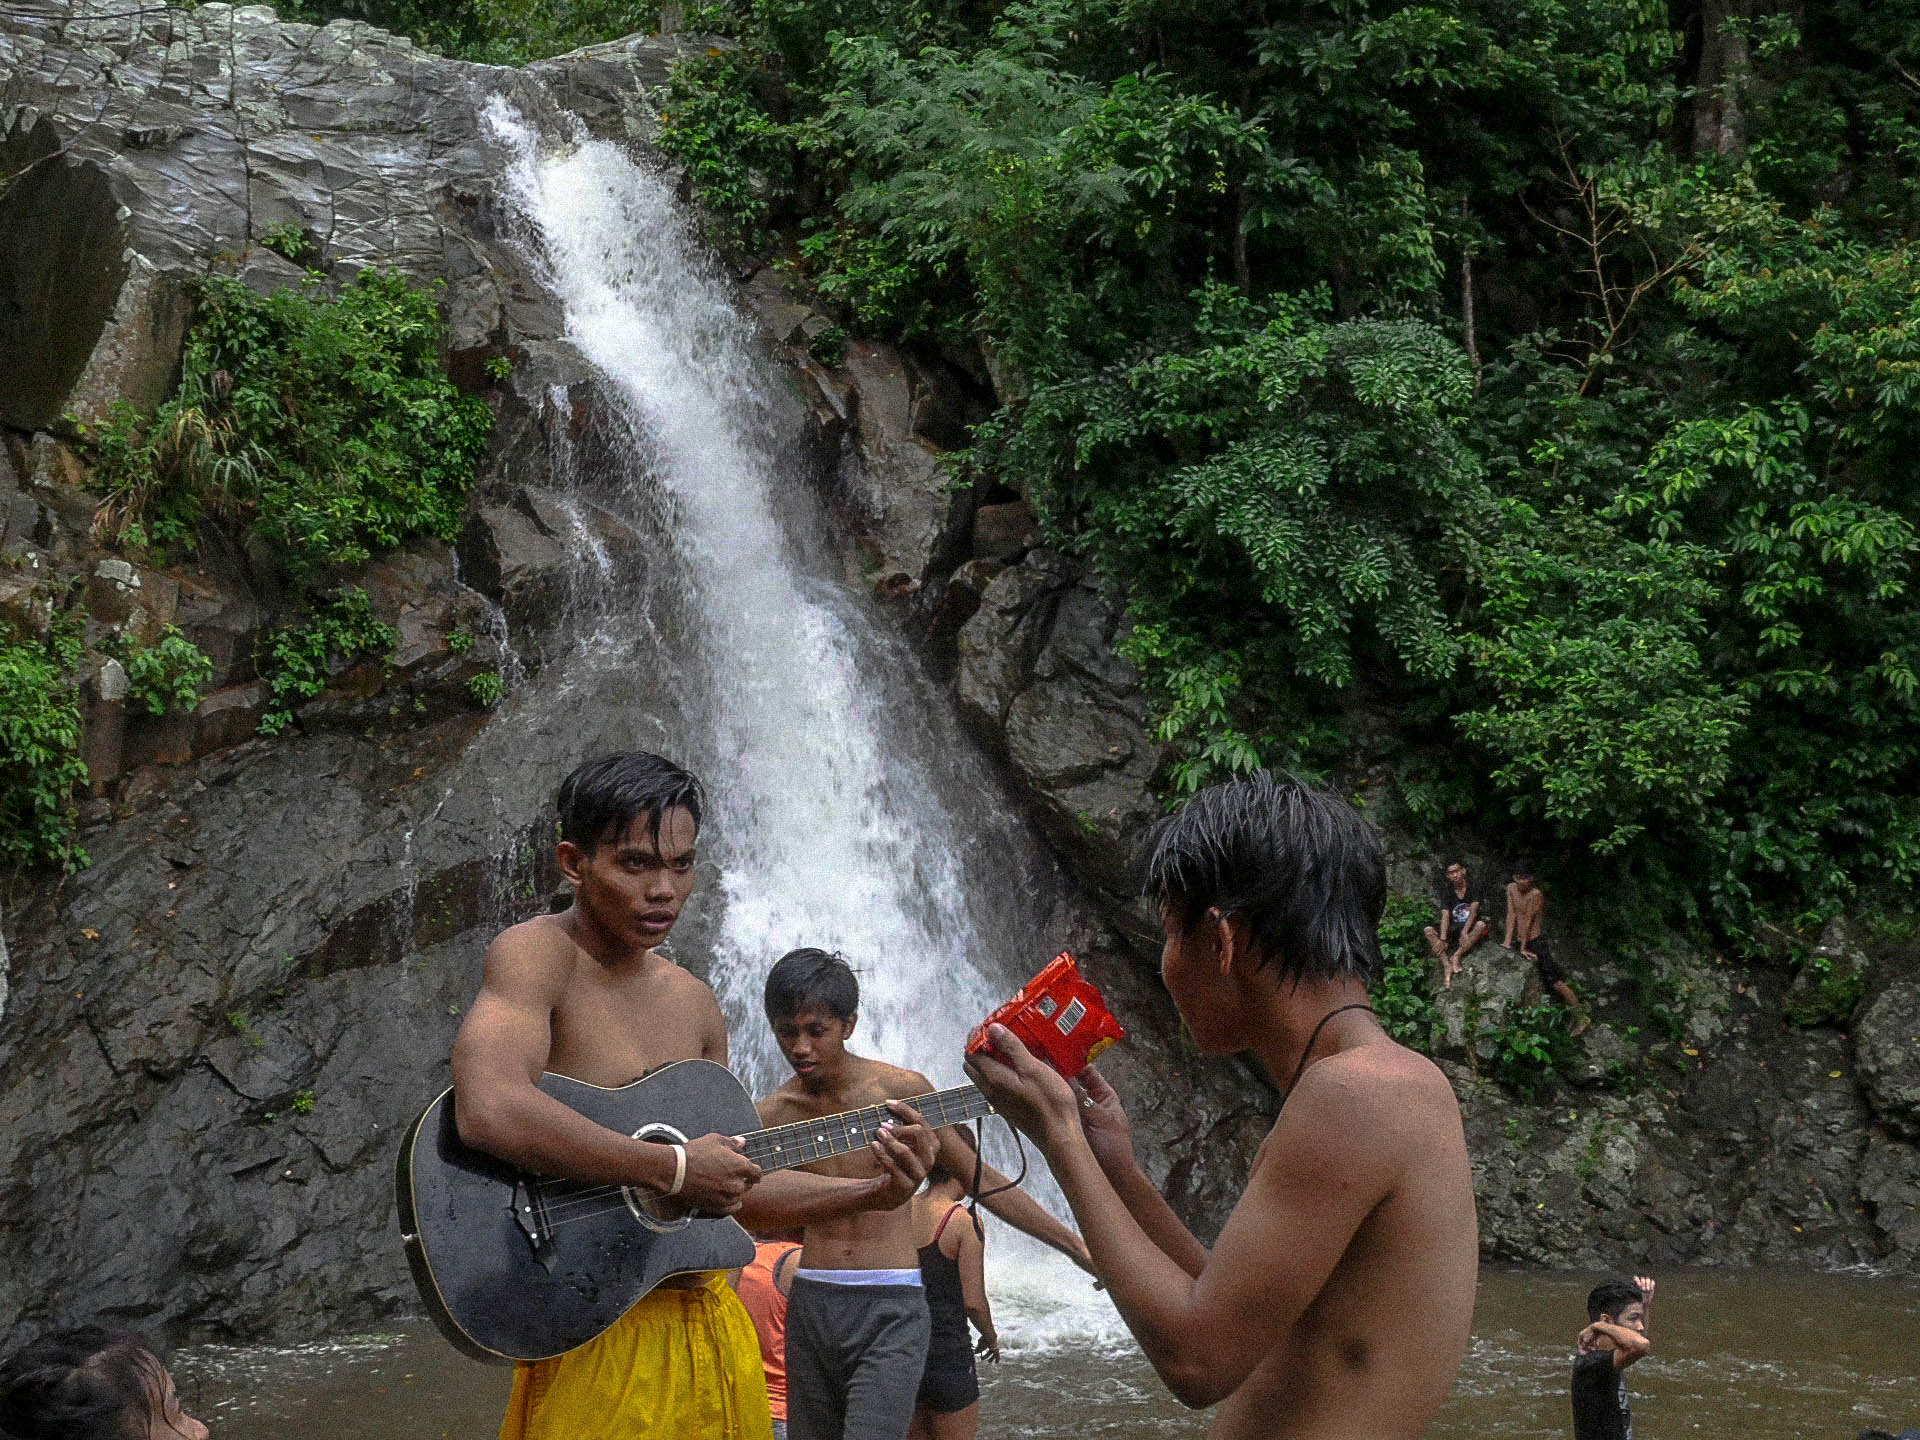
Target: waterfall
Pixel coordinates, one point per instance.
(846, 810)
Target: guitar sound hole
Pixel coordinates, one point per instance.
(658, 1213)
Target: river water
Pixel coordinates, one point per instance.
(1748, 1355)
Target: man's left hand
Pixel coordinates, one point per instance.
(905, 1149)
(1025, 1089)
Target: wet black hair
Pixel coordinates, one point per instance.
(808, 978)
(938, 1173)
(1610, 1297)
(1295, 859)
(88, 1383)
(603, 798)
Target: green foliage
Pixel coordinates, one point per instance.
(290, 242)
(1479, 363)
(171, 674)
(40, 762)
(1403, 998)
(297, 659)
(486, 688)
(328, 427)
(1529, 1046)
(1825, 993)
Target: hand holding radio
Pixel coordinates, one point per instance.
(1024, 1056)
(1103, 1121)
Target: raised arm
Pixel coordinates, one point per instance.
(1319, 1174)
(1109, 1134)
(1010, 1203)
(500, 1053)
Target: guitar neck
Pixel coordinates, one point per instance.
(802, 1141)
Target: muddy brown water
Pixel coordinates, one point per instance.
(1757, 1355)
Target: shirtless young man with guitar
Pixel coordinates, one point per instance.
(857, 1326)
(586, 994)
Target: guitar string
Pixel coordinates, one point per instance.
(933, 1107)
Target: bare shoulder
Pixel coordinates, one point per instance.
(1377, 1090)
(891, 1082)
(535, 955)
(786, 1103)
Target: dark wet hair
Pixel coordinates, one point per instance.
(1295, 859)
(89, 1383)
(939, 1174)
(1610, 1297)
(808, 978)
(604, 798)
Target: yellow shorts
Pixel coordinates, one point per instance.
(680, 1365)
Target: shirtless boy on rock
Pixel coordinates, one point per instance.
(585, 993)
(857, 1325)
(1337, 1300)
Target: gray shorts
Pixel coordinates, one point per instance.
(854, 1358)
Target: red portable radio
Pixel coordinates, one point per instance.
(1058, 1016)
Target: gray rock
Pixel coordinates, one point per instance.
(1890, 1184)
(893, 488)
(1886, 1047)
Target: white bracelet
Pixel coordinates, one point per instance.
(679, 1169)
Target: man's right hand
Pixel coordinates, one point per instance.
(718, 1175)
(1104, 1122)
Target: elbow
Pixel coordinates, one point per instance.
(479, 1122)
(1194, 1382)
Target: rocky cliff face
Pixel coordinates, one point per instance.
(211, 1036)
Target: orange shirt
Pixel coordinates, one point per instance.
(768, 1309)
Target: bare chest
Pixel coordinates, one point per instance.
(610, 1031)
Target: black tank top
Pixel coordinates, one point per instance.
(946, 1306)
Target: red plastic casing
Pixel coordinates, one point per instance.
(1058, 1016)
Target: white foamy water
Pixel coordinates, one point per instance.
(845, 813)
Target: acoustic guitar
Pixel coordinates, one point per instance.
(516, 1266)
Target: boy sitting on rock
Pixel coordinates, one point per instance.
(1300, 1322)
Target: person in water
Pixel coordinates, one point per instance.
(91, 1383)
(587, 993)
(953, 1273)
(1297, 1322)
(1615, 1337)
(1461, 924)
(857, 1324)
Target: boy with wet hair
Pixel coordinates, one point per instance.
(857, 1322)
(1296, 1323)
(587, 993)
(1615, 1337)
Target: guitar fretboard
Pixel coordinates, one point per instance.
(785, 1146)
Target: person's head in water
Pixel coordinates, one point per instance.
(813, 1004)
(91, 1384)
(629, 823)
(1618, 1302)
(1265, 872)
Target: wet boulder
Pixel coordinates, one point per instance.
(1886, 1046)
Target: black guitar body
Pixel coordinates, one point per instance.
(512, 1266)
